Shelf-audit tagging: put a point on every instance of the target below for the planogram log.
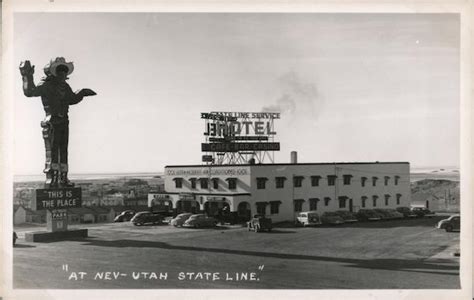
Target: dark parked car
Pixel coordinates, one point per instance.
(331, 218)
(422, 212)
(450, 224)
(347, 216)
(200, 220)
(367, 215)
(124, 216)
(406, 211)
(146, 217)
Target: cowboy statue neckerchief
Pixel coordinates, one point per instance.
(56, 96)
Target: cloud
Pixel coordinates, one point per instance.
(298, 98)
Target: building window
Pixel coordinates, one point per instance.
(280, 182)
(232, 183)
(398, 198)
(261, 208)
(178, 182)
(215, 183)
(347, 179)
(374, 200)
(386, 199)
(342, 202)
(396, 179)
(193, 182)
(332, 179)
(298, 204)
(298, 181)
(313, 204)
(386, 179)
(364, 200)
(275, 207)
(315, 180)
(204, 183)
(363, 180)
(374, 181)
(326, 201)
(261, 182)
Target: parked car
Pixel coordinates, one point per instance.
(124, 216)
(367, 215)
(200, 220)
(146, 217)
(259, 223)
(308, 218)
(347, 216)
(406, 211)
(180, 219)
(395, 214)
(384, 214)
(422, 212)
(331, 218)
(450, 224)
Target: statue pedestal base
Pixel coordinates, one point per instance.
(46, 236)
(56, 201)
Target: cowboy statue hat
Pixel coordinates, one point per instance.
(54, 64)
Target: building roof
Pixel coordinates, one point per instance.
(291, 164)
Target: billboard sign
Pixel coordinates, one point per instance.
(239, 131)
(58, 198)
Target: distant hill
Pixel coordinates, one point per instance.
(442, 194)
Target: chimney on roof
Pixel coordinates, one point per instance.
(294, 157)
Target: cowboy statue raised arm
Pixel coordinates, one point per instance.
(56, 96)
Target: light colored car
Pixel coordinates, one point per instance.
(180, 219)
(450, 223)
(200, 220)
(308, 218)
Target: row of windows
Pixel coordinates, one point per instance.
(313, 203)
(280, 181)
(344, 202)
(204, 183)
(315, 181)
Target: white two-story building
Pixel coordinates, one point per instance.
(282, 190)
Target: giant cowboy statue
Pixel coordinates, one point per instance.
(56, 96)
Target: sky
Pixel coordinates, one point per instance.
(350, 87)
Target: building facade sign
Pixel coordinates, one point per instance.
(205, 172)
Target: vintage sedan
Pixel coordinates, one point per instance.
(308, 218)
(347, 216)
(180, 219)
(368, 215)
(331, 218)
(124, 216)
(450, 224)
(406, 211)
(146, 217)
(200, 220)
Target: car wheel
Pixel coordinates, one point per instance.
(449, 228)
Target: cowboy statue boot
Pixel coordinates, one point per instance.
(54, 179)
(64, 181)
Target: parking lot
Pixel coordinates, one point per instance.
(399, 254)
